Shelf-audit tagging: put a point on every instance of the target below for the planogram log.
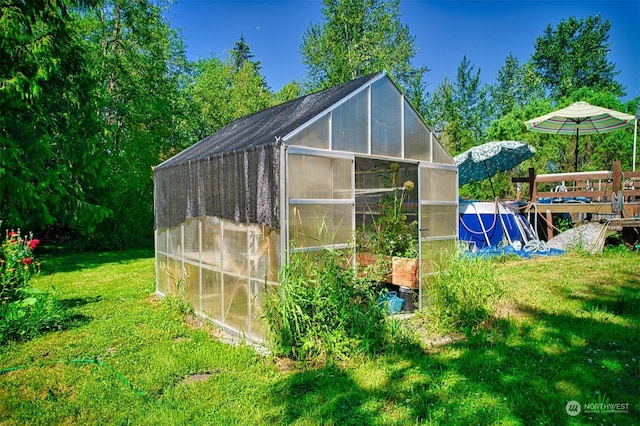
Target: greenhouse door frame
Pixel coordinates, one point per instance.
(286, 202)
(424, 202)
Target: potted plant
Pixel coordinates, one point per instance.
(391, 241)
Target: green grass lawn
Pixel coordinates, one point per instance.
(567, 329)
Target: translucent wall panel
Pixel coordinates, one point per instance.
(211, 254)
(173, 273)
(225, 279)
(236, 302)
(437, 220)
(212, 294)
(313, 225)
(173, 267)
(192, 239)
(264, 254)
(163, 278)
(320, 198)
(191, 284)
(314, 177)
(174, 241)
(386, 119)
(440, 155)
(417, 143)
(350, 124)
(258, 291)
(434, 253)
(439, 185)
(234, 250)
(315, 135)
(161, 240)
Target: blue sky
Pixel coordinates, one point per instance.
(444, 30)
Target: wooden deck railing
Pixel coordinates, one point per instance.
(598, 186)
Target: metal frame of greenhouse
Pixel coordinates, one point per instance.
(293, 177)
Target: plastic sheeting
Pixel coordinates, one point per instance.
(589, 236)
(222, 268)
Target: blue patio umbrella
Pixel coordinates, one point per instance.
(483, 161)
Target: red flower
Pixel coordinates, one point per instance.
(12, 233)
(27, 261)
(33, 244)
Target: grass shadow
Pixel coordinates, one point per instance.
(620, 299)
(62, 261)
(76, 302)
(520, 371)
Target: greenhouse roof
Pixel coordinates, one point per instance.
(267, 126)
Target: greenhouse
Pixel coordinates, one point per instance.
(305, 175)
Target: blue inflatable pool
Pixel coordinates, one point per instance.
(492, 224)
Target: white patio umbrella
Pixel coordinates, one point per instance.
(580, 118)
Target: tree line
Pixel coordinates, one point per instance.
(95, 93)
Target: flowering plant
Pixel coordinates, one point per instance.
(391, 235)
(17, 264)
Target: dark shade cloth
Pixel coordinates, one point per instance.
(235, 173)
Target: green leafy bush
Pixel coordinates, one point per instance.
(461, 295)
(324, 310)
(16, 264)
(25, 311)
(31, 316)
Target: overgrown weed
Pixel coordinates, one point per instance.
(324, 310)
(461, 296)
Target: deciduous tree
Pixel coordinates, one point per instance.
(359, 37)
(139, 61)
(224, 93)
(574, 55)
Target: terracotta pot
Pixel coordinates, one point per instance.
(403, 270)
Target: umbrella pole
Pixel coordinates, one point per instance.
(577, 140)
(489, 176)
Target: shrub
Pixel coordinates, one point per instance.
(31, 316)
(16, 264)
(461, 295)
(323, 309)
(25, 311)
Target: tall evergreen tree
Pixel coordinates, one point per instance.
(241, 53)
(460, 111)
(515, 86)
(49, 158)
